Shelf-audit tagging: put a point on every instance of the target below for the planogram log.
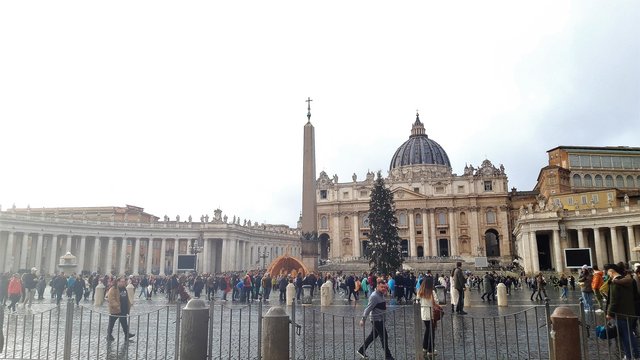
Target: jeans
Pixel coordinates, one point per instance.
(123, 324)
(377, 330)
(427, 339)
(563, 295)
(628, 339)
(587, 298)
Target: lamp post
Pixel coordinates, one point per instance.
(196, 246)
(264, 257)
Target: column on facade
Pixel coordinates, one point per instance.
(176, 248)
(557, 251)
(95, 261)
(233, 243)
(109, 265)
(23, 250)
(335, 234)
(432, 233)
(39, 238)
(617, 246)
(357, 246)
(81, 253)
(535, 260)
(426, 247)
(123, 256)
(163, 252)
(8, 262)
(149, 257)
(412, 235)
(214, 259)
(601, 250)
(206, 248)
(53, 255)
(453, 233)
(631, 237)
(136, 256)
(67, 247)
(224, 266)
(581, 240)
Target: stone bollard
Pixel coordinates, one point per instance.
(565, 335)
(291, 293)
(502, 294)
(467, 298)
(326, 294)
(275, 334)
(131, 292)
(194, 331)
(99, 295)
(441, 291)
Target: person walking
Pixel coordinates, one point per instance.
(15, 291)
(57, 287)
(29, 281)
(621, 308)
(119, 307)
(376, 309)
(585, 280)
(564, 286)
(427, 297)
(460, 285)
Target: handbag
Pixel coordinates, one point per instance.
(606, 332)
(438, 312)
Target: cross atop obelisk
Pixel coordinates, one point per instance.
(308, 101)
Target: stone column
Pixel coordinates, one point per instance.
(232, 243)
(581, 240)
(163, 253)
(601, 250)
(24, 250)
(557, 251)
(109, 265)
(426, 244)
(412, 234)
(136, 257)
(95, 261)
(535, 260)
(149, 259)
(8, 262)
(357, 246)
(81, 253)
(432, 234)
(39, 238)
(453, 234)
(68, 244)
(336, 246)
(176, 249)
(214, 258)
(205, 256)
(53, 254)
(616, 246)
(631, 236)
(123, 256)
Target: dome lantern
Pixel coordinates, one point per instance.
(419, 150)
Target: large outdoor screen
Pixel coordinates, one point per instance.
(186, 262)
(577, 257)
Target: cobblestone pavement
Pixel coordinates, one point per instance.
(488, 332)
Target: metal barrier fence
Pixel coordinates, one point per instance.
(235, 331)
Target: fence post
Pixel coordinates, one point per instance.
(293, 329)
(275, 334)
(194, 330)
(178, 318)
(417, 330)
(1, 328)
(566, 335)
(68, 330)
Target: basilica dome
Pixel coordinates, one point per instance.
(419, 150)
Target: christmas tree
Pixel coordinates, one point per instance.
(383, 250)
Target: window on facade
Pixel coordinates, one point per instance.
(609, 196)
(595, 198)
(587, 181)
(630, 182)
(364, 193)
(439, 189)
(583, 199)
(402, 219)
(491, 217)
(460, 189)
(574, 161)
(345, 195)
(488, 186)
(463, 218)
(627, 163)
(606, 161)
(347, 223)
(619, 181)
(323, 194)
(577, 180)
(570, 201)
(365, 221)
(416, 190)
(585, 161)
(636, 162)
(608, 181)
(442, 219)
(598, 181)
(595, 161)
(324, 223)
(616, 162)
(418, 219)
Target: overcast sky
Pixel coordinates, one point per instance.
(184, 107)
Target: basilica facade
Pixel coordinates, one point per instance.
(440, 213)
(127, 240)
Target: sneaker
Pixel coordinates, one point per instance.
(110, 338)
(131, 335)
(463, 313)
(362, 355)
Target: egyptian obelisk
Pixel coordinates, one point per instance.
(309, 229)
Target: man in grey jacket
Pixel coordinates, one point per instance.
(460, 283)
(376, 309)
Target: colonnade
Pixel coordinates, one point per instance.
(133, 254)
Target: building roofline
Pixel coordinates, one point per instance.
(598, 148)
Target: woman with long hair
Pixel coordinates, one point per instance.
(427, 297)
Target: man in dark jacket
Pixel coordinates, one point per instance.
(282, 286)
(621, 307)
(57, 287)
(460, 283)
(29, 281)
